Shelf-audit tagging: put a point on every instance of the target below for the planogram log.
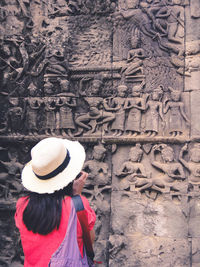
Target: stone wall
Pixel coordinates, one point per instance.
(123, 78)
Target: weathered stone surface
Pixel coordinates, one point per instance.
(192, 22)
(151, 251)
(195, 252)
(147, 232)
(139, 215)
(195, 127)
(194, 218)
(122, 77)
(192, 64)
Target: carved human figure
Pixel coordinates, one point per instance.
(116, 104)
(175, 18)
(98, 187)
(134, 105)
(172, 171)
(49, 88)
(135, 55)
(158, 22)
(153, 112)
(50, 117)
(10, 180)
(95, 115)
(66, 119)
(66, 102)
(193, 165)
(98, 170)
(176, 108)
(166, 19)
(133, 170)
(64, 85)
(35, 51)
(32, 107)
(144, 24)
(14, 117)
(10, 62)
(55, 61)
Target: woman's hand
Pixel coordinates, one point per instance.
(79, 183)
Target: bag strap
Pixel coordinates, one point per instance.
(82, 216)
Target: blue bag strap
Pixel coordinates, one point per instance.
(82, 216)
(78, 203)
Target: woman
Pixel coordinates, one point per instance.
(43, 215)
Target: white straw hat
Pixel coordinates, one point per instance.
(55, 163)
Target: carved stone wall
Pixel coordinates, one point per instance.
(123, 78)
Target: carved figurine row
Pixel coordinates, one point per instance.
(158, 170)
(133, 174)
(114, 116)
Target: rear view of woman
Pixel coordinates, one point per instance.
(46, 217)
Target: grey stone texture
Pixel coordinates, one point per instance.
(123, 78)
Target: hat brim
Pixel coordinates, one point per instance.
(77, 157)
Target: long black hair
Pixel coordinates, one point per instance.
(43, 211)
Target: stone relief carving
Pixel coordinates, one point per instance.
(95, 116)
(132, 171)
(32, 111)
(72, 7)
(50, 116)
(66, 120)
(10, 177)
(134, 105)
(135, 57)
(172, 171)
(117, 104)
(159, 173)
(91, 44)
(192, 165)
(154, 112)
(120, 115)
(111, 71)
(14, 117)
(176, 108)
(98, 190)
(99, 172)
(161, 23)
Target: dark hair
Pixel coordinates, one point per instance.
(43, 211)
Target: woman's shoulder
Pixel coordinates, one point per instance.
(22, 201)
(20, 206)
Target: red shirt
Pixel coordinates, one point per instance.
(37, 248)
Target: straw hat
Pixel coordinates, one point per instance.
(55, 163)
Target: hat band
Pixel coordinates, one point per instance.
(58, 170)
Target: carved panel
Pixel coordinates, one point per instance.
(121, 77)
(98, 191)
